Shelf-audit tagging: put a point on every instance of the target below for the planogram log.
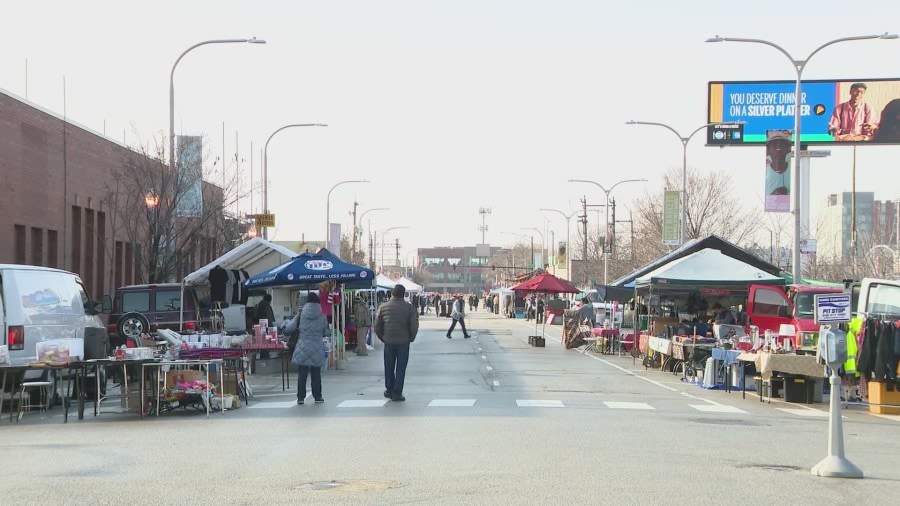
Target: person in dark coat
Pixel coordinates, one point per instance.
(264, 310)
(309, 354)
(396, 325)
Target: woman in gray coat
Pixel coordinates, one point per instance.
(309, 354)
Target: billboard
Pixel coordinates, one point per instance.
(856, 111)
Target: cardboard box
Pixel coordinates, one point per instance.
(880, 398)
(231, 383)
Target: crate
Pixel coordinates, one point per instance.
(883, 401)
(799, 389)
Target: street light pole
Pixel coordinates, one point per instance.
(252, 40)
(799, 65)
(383, 237)
(363, 215)
(265, 169)
(568, 217)
(684, 142)
(543, 245)
(328, 210)
(606, 239)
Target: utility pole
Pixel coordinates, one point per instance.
(353, 241)
(584, 221)
(612, 233)
(371, 249)
(630, 221)
(397, 250)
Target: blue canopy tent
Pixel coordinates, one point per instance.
(310, 269)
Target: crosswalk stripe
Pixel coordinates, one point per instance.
(809, 413)
(358, 403)
(537, 403)
(628, 405)
(716, 408)
(451, 403)
(270, 405)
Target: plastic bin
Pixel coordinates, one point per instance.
(799, 389)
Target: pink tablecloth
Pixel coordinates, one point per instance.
(602, 332)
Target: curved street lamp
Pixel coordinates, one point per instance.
(265, 169)
(799, 65)
(606, 240)
(383, 234)
(328, 208)
(358, 229)
(568, 218)
(252, 40)
(684, 142)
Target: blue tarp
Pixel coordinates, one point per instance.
(311, 269)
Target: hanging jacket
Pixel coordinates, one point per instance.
(852, 346)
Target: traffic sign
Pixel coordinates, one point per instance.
(265, 220)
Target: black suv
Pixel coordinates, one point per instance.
(138, 309)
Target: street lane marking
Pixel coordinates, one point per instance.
(496, 383)
(537, 403)
(483, 357)
(628, 405)
(452, 403)
(810, 413)
(273, 405)
(717, 408)
(362, 404)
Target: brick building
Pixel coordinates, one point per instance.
(55, 208)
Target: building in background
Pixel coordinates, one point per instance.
(456, 269)
(876, 223)
(62, 205)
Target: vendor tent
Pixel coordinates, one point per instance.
(410, 285)
(710, 242)
(382, 281)
(253, 256)
(709, 268)
(311, 269)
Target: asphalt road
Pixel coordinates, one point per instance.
(488, 420)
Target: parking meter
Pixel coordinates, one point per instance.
(832, 346)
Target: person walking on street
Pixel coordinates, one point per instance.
(308, 354)
(396, 325)
(363, 324)
(458, 314)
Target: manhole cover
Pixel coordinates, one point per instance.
(348, 485)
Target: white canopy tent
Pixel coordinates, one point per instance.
(382, 281)
(410, 285)
(707, 267)
(254, 256)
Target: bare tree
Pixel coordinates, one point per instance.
(710, 209)
(144, 198)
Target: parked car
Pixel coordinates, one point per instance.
(138, 309)
(769, 307)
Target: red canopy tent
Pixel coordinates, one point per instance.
(545, 283)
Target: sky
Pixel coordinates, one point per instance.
(446, 107)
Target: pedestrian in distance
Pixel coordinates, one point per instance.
(363, 324)
(396, 325)
(309, 355)
(458, 315)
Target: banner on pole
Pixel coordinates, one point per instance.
(671, 217)
(778, 171)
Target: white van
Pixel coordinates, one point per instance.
(41, 303)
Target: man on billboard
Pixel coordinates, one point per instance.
(778, 186)
(852, 120)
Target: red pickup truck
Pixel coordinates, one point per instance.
(768, 307)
